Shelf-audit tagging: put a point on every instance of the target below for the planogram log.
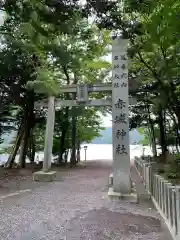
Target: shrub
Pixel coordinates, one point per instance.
(173, 169)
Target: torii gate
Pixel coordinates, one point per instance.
(120, 88)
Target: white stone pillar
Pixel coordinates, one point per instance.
(120, 105)
(49, 135)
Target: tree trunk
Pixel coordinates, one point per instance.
(153, 139)
(175, 121)
(66, 156)
(162, 133)
(74, 120)
(152, 133)
(73, 153)
(78, 152)
(15, 148)
(63, 135)
(29, 123)
(65, 129)
(25, 140)
(33, 148)
(62, 142)
(21, 151)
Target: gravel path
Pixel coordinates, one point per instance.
(76, 207)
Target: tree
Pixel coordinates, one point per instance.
(23, 48)
(155, 59)
(42, 49)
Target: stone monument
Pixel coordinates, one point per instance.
(121, 183)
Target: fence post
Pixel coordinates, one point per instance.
(153, 185)
(161, 193)
(148, 178)
(159, 190)
(177, 199)
(156, 188)
(153, 166)
(165, 182)
(171, 211)
(174, 210)
(165, 195)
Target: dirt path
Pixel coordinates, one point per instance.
(76, 207)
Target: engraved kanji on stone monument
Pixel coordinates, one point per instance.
(120, 150)
(120, 104)
(121, 118)
(124, 75)
(124, 57)
(120, 134)
(116, 85)
(124, 84)
(116, 76)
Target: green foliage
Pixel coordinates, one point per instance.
(153, 30)
(46, 45)
(98, 64)
(172, 170)
(45, 82)
(144, 132)
(88, 125)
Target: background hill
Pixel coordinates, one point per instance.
(106, 137)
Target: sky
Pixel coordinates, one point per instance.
(1, 17)
(107, 121)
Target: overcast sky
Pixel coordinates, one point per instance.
(107, 121)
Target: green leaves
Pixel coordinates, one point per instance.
(155, 63)
(100, 64)
(88, 125)
(45, 82)
(45, 46)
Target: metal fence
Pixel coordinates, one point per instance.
(165, 196)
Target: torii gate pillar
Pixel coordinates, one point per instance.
(46, 175)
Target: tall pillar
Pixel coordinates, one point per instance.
(120, 104)
(49, 135)
(46, 174)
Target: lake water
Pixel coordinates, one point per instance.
(95, 152)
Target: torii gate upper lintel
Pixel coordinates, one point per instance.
(83, 91)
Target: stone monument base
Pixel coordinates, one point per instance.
(132, 197)
(110, 180)
(42, 176)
